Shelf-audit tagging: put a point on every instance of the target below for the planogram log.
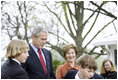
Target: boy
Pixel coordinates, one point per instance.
(17, 53)
(87, 67)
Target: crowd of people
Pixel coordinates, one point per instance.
(33, 61)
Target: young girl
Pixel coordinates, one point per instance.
(17, 53)
(108, 70)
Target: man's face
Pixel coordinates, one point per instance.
(86, 73)
(40, 41)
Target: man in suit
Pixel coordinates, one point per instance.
(87, 67)
(39, 63)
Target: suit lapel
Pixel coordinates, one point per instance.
(34, 55)
(35, 58)
(14, 62)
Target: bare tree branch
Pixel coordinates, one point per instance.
(108, 13)
(58, 36)
(67, 20)
(98, 33)
(56, 17)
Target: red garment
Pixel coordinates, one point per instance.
(42, 61)
(62, 69)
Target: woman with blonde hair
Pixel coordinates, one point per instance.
(69, 51)
(17, 53)
(108, 70)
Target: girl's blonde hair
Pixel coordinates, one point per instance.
(103, 68)
(16, 47)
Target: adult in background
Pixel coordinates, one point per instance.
(39, 63)
(87, 66)
(108, 70)
(17, 53)
(69, 51)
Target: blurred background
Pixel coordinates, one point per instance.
(91, 25)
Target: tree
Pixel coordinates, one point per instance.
(75, 22)
(69, 15)
(16, 20)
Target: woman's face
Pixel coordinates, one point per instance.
(107, 66)
(70, 55)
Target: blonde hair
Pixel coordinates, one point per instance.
(16, 47)
(103, 68)
(87, 61)
(67, 47)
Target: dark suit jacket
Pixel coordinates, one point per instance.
(13, 70)
(34, 67)
(71, 75)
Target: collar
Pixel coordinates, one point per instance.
(35, 49)
(69, 66)
(77, 76)
(16, 61)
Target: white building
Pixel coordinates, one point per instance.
(110, 47)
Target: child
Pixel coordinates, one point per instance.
(87, 66)
(108, 70)
(17, 53)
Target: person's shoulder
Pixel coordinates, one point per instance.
(7, 69)
(97, 76)
(44, 49)
(4, 67)
(113, 73)
(60, 67)
(72, 71)
(6, 64)
(70, 74)
(63, 66)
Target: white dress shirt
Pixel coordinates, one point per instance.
(77, 76)
(37, 53)
(16, 60)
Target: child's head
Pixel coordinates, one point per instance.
(107, 65)
(16, 47)
(87, 66)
